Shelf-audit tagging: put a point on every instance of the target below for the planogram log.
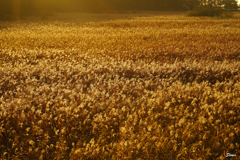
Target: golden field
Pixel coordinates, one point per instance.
(145, 87)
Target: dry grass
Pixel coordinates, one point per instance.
(156, 87)
(105, 16)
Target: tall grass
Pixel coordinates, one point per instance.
(162, 87)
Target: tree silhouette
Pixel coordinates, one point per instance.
(15, 9)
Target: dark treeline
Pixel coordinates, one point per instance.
(14, 9)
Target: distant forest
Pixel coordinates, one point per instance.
(19, 8)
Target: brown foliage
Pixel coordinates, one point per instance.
(146, 88)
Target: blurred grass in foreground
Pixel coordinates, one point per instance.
(150, 87)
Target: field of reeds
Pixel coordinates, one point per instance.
(151, 87)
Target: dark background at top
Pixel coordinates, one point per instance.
(12, 9)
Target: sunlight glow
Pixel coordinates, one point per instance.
(16, 5)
